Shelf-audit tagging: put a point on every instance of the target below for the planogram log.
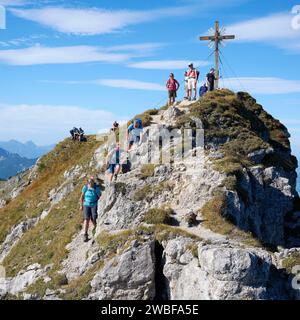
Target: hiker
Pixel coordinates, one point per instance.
(72, 132)
(115, 126)
(186, 88)
(134, 133)
(193, 75)
(80, 134)
(203, 89)
(113, 160)
(76, 134)
(91, 193)
(211, 78)
(172, 85)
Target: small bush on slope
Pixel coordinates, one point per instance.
(158, 216)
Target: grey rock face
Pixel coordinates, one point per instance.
(220, 272)
(171, 114)
(266, 197)
(15, 235)
(24, 279)
(128, 276)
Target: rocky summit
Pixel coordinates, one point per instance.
(223, 227)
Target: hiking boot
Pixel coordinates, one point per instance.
(85, 237)
(194, 99)
(115, 177)
(189, 99)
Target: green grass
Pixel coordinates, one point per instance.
(45, 243)
(158, 216)
(291, 261)
(239, 126)
(146, 117)
(34, 199)
(111, 243)
(213, 214)
(147, 170)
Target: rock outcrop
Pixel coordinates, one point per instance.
(219, 220)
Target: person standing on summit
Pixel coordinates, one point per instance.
(172, 85)
(192, 75)
(211, 78)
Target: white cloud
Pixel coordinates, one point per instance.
(28, 41)
(140, 49)
(166, 64)
(115, 83)
(274, 29)
(94, 21)
(13, 3)
(130, 84)
(258, 85)
(72, 54)
(46, 124)
(55, 55)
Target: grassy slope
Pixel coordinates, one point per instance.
(46, 242)
(239, 126)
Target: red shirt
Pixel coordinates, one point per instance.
(172, 84)
(192, 73)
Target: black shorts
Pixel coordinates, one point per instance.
(172, 94)
(90, 213)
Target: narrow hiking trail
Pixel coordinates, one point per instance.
(79, 252)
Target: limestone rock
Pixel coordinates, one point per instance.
(128, 276)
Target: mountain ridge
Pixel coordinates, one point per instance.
(243, 244)
(27, 150)
(12, 163)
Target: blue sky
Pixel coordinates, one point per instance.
(65, 63)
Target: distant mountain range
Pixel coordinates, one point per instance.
(12, 163)
(27, 150)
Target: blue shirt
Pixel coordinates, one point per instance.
(91, 195)
(134, 132)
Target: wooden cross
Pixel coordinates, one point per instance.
(217, 38)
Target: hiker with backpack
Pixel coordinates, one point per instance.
(134, 133)
(172, 86)
(211, 78)
(193, 76)
(203, 89)
(73, 133)
(90, 195)
(81, 134)
(113, 162)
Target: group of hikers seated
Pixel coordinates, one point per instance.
(191, 77)
(77, 134)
